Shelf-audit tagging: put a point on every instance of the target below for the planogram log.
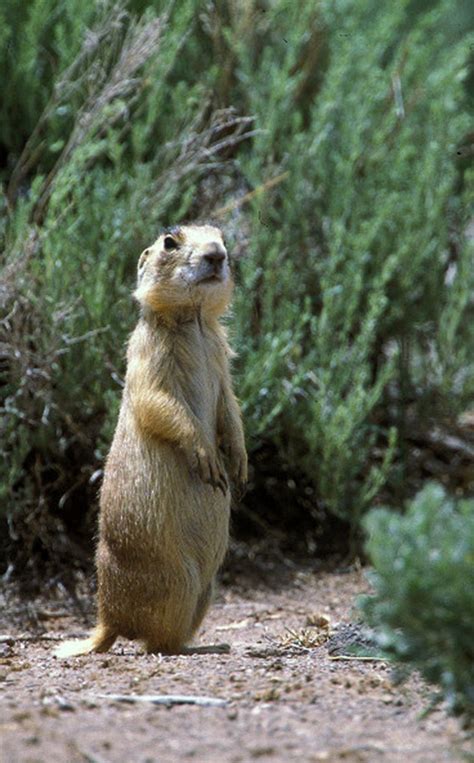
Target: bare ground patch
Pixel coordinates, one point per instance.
(286, 697)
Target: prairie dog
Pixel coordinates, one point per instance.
(179, 441)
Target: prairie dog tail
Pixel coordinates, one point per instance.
(100, 640)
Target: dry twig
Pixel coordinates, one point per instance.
(355, 658)
(165, 699)
(262, 188)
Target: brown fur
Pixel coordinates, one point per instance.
(165, 500)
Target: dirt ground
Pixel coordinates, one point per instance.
(288, 695)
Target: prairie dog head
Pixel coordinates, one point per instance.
(186, 268)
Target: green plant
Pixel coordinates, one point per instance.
(359, 327)
(423, 605)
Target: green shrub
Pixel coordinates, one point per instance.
(352, 321)
(423, 607)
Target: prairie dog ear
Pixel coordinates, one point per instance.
(143, 258)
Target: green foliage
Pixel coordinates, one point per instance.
(423, 607)
(37, 40)
(343, 121)
(351, 252)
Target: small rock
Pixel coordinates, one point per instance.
(318, 620)
(268, 695)
(259, 752)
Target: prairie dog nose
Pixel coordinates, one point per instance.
(214, 253)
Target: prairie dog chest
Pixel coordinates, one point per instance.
(196, 360)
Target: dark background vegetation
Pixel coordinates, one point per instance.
(333, 142)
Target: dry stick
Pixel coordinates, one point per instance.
(89, 758)
(6, 639)
(46, 614)
(348, 657)
(165, 699)
(222, 211)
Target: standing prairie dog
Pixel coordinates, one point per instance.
(165, 498)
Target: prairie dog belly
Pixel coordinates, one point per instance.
(154, 507)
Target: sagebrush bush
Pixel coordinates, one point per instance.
(423, 606)
(328, 140)
(361, 319)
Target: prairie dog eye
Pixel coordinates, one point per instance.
(170, 243)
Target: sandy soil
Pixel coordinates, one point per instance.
(286, 697)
